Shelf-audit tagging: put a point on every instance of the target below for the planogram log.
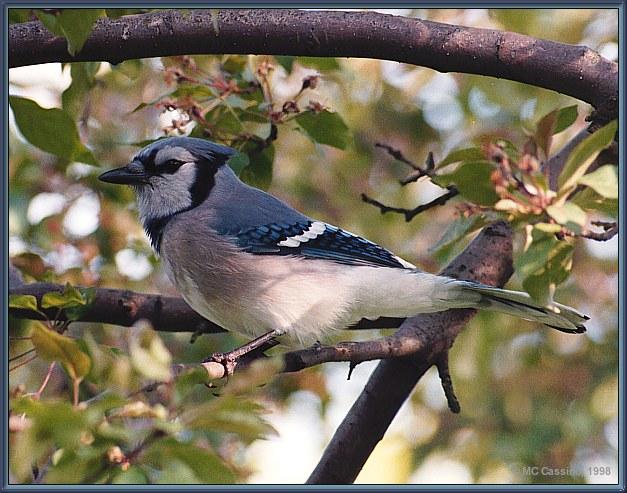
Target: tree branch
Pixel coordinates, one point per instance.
(418, 172)
(125, 308)
(411, 213)
(573, 70)
(122, 307)
(487, 259)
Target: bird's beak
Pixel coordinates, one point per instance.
(123, 176)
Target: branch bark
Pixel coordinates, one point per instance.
(487, 259)
(573, 70)
(123, 307)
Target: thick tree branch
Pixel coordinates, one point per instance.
(123, 307)
(487, 259)
(165, 313)
(573, 70)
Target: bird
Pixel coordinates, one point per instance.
(252, 264)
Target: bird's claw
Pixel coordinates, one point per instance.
(227, 360)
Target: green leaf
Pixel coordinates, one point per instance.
(49, 21)
(238, 162)
(234, 101)
(286, 61)
(583, 155)
(52, 346)
(457, 230)
(70, 296)
(569, 215)
(603, 181)
(254, 115)
(199, 464)
(509, 148)
(83, 79)
(74, 24)
(23, 301)
(255, 375)
(230, 414)
(75, 301)
(79, 465)
(544, 264)
(468, 154)
(553, 123)
(88, 295)
(53, 421)
(548, 227)
(472, 179)
(195, 91)
(117, 13)
(544, 131)
(565, 118)
(188, 380)
(149, 355)
(325, 128)
(19, 15)
(52, 130)
(133, 475)
(321, 63)
(259, 172)
(590, 200)
(227, 122)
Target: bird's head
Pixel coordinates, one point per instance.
(171, 175)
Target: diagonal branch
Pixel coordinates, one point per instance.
(573, 70)
(487, 259)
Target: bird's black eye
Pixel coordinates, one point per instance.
(169, 167)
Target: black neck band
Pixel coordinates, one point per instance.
(204, 182)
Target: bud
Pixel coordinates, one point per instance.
(315, 107)
(290, 107)
(115, 455)
(310, 82)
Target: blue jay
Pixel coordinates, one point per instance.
(252, 264)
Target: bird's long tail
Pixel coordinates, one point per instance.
(466, 294)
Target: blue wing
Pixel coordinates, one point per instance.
(316, 240)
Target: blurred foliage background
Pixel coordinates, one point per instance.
(530, 396)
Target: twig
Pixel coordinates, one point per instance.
(418, 173)
(25, 353)
(75, 390)
(44, 384)
(398, 155)
(411, 213)
(447, 383)
(609, 231)
(23, 363)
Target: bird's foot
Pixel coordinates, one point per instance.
(230, 359)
